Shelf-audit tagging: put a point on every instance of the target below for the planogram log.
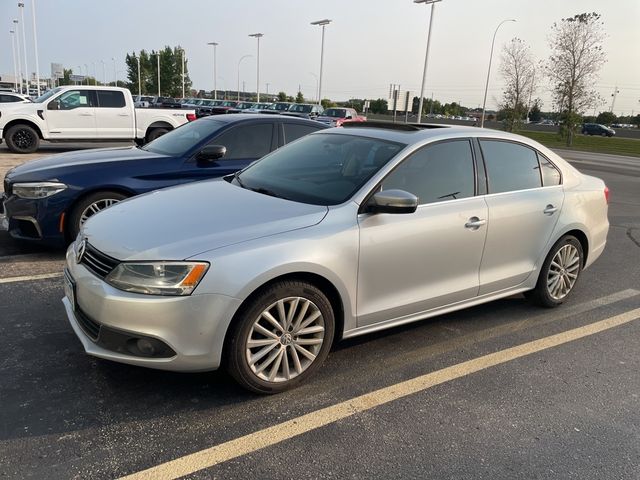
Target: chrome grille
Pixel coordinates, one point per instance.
(97, 262)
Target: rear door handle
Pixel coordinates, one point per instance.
(474, 223)
(550, 210)
(123, 114)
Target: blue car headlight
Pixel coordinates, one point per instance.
(36, 190)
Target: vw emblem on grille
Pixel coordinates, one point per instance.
(80, 250)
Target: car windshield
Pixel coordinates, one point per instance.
(179, 141)
(48, 95)
(335, 112)
(320, 169)
(300, 108)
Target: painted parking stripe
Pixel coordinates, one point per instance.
(27, 278)
(278, 433)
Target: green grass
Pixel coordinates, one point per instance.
(613, 145)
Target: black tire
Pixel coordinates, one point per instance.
(541, 295)
(236, 359)
(74, 220)
(22, 139)
(155, 133)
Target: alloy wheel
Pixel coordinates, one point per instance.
(563, 271)
(23, 139)
(96, 207)
(285, 339)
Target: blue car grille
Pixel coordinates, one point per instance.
(97, 262)
(7, 187)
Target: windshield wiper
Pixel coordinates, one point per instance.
(265, 191)
(236, 177)
(449, 195)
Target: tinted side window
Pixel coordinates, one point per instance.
(436, 173)
(550, 174)
(110, 99)
(74, 99)
(293, 131)
(510, 166)
(8, 99)
(246, 141)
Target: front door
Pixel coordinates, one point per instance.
(72, 115)
(411, 263)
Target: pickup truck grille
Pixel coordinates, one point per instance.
(97, 262)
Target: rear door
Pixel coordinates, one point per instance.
(72, 115)
(523, 212)
(114, 118)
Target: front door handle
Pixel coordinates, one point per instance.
(86, 114)
(474, 223)
(550, 210)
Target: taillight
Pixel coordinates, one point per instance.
(191, 117)
(606, 193)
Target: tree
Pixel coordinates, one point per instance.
(518, 71)
(170, 72)
(606, 118)
(378, 106)
(576, 57)
(299, 97)
(535, 113)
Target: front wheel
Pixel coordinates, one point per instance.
(22, 139)
(559, 273)
(281, 337)
(88, 207)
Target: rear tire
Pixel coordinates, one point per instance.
(280, 338)
(155, 133)
(87, 207)
(559, 274)
(22, 139)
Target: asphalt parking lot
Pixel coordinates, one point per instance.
(504, 390)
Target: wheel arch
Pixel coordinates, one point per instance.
(157, 124)
(22, 121)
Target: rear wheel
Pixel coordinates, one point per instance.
(281, 337)
(155, 133)
(22, 139)
(559, 273)
(88, 207)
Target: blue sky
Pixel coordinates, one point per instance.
(370, 44)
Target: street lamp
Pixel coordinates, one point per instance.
(241, 58)
(317, 81)
(322, 23)
(13, 50)
(215, 75)
(95, 73)
(426, 55)
(139, 82)
(86, 69)
(35, 43)
(17, 26)
(24, 45)
(115, 74)
(104, 73)
(158, 57)
(182, 71)
(257, 36)
(486, 86)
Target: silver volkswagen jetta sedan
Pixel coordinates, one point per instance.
(338, 234)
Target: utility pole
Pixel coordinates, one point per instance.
(35, 43)
(24, 44)
(614, 95)
(20, 77)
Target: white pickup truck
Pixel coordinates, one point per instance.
(85, 113)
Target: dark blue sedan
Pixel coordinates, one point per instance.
(49, 199)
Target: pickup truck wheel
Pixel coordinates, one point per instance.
(89, 206)
(22, 139)
(156, 132)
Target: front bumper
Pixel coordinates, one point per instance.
(33, 220)
(193, 326)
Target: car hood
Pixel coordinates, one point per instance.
(181, 222)
(38, 169)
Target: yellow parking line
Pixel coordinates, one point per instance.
(278, 433)
(26, 278)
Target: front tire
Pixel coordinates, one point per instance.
(559, 274)
(22, 139)
(89, 206)
(281, 337)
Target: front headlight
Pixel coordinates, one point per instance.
(35, 190)
(158, 278)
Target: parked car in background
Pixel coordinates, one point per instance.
(304, 110)
(10, 97)
(278, 107)
(47, 200)
(259, 108)
(345, 232)
(164, 102)
(142, 101)
(84, 113)
(597, 129)
(334, 117)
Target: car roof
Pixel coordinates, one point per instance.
(242, 117)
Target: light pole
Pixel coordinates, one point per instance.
(257, 36)
(426, 55)
(79, 73)
(35, 43)
(24, 45)
(13, 50)
(317, 81)
(322, 23)
(215, 75)
(241, 58)
(95, 73)
(158, 57)
(86, 69)
(182, 71)
(115, 74)
(486, 86)
(17, 30)
(139, 82)
(104, 73)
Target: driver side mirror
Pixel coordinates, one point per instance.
(53, 105)
(392, 201)
(211, 153)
